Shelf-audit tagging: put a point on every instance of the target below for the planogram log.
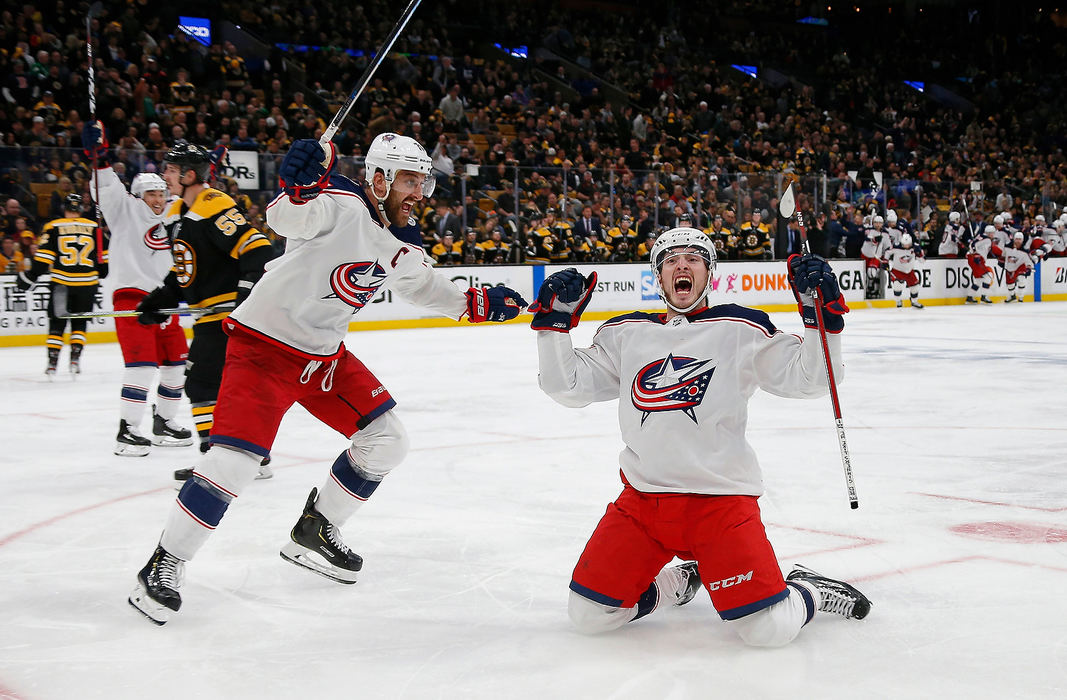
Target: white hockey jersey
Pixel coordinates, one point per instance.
(950, 240)
(338, 257)
(1016, 258)
(875, 243)
(139, 251)
(683, 387)
(903, 259)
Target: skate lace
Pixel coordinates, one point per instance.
(170, 572)
(334, 538)
(836, 602)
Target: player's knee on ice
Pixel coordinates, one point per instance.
(776, 625)
(589, 617)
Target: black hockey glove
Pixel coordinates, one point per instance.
(148, 310)
(808, 273)
(495, 304)
(94, 143)
(23, 282)
(306, 169)
(561, 300)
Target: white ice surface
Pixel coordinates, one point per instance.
(954, 416)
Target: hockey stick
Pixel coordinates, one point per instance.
(179, 311)
(94, 10)
(787, 207)
(368, 73)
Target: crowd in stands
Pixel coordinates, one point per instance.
(613, 126)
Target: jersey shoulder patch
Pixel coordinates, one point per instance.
(743, 313)
(634, 316)
(212, 202)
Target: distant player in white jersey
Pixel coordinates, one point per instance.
(1056, 239)
(1020, 258)
(893, 229)
(951, 245)
(140, 257)
(875, 243)
(690, 479)
(902, 259)
(346, 244)
(982, 253)
(1002, 232)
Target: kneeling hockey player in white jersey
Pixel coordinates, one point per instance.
(902, 259)
(286, 346)
(690, 479)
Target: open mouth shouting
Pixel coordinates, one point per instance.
(683, 284)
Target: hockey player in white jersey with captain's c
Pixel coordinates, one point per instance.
(345, 245)
(139, 255)
(690, 479)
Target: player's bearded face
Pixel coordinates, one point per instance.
(683, 276)
(403, 195)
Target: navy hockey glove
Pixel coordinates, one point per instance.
(148, 310)
(808, 273)
(494, 304)
(94, 143)
(561, 300)
(305, 170)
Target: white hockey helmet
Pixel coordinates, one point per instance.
(891, 217)
(878, 220)
(998, 220)
(1018, 236)
(680, 241)
(1040, 217)
(989, 230)
(954, 217)
(147, 182)
(905, 240)
(392, 153)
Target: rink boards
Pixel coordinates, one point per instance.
(620, 288)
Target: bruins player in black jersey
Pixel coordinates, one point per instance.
(67, 249)
(218, 256)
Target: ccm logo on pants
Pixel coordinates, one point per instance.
(731, 581)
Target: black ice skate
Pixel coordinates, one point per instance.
(156, 595)
(916, 304)
(316, 544)
(131, 443)
(693, 583)
(970, 300)
(167, 433)
(835, 596)
(986, 300)
(75, 360)
(53, 362)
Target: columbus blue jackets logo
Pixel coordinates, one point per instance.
(156, 238)
(356, 283)
(671, 384)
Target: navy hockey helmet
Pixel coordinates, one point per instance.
(189, 156)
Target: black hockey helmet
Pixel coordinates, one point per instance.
(72, 202)
(189, 156)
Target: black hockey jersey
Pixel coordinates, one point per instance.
(215, 249)
(67, 247)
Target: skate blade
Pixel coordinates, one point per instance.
(156, 613)
(167, 441)
(124, 450)
(265, 472)
(302, 557)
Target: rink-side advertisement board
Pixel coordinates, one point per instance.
(620, 288)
